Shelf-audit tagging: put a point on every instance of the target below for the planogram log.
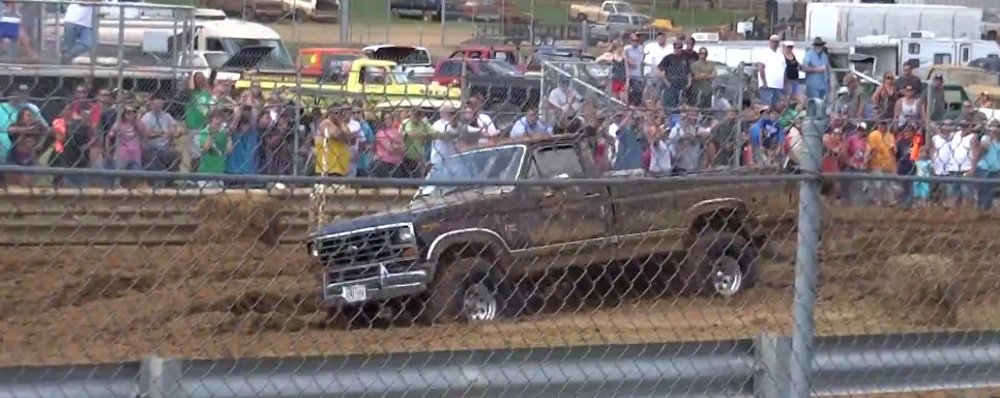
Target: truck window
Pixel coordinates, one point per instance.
(451, 68)
(474, 55)
(617, 19)
(608, 7)
(554, 161)
(213, 45)
(374, 75)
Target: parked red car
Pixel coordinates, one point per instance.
(508, 55)
(450, 71)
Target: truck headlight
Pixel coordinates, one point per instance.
(313, 249)
(404, 235)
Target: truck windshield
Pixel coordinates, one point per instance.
(500, 163)
(278, 59)
(625, 8)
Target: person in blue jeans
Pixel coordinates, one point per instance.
(988, 166)
(78, 31)
(816, 65)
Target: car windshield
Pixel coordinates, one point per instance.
(277, 59)
(500, 68)
(500, 163)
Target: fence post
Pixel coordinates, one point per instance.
(806, 262)
(158, 377)
(771, 354)
(345, 21)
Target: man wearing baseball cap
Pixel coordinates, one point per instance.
(816, 64)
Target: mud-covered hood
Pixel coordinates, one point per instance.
(421, 209)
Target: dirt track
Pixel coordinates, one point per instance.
(113, 303)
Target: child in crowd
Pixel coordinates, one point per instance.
(922, 189)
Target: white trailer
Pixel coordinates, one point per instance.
(846, 22)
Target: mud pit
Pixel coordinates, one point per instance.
(69, 305)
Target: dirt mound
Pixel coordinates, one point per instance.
(241, 216)
(925, 286)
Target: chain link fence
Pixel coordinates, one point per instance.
(548, 234)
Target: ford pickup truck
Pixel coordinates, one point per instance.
(599, 13)
(475, 253)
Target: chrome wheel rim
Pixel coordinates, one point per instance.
(480, 304)
(727, 278)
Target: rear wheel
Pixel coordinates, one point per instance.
(719, 263)
(581, 17)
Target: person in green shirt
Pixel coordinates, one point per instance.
(215, 143)
(196, 113)
(417, 133)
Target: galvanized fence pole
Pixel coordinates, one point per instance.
(806, 259)
(345, 21)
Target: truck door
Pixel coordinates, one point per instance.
(566, 222)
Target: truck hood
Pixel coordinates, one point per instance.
(422, 208)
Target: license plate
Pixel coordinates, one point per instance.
(354, 294)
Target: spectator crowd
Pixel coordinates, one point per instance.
(671, 119)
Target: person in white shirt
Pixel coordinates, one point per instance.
(661, 156)
(959, 162)
(78, 31)
(771, 70)
(443, 145)
(559, 102)
(529, 126)
(483, 122)
(654, 53)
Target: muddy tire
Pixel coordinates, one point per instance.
(470, 290)
(719, 263)
(581, 17)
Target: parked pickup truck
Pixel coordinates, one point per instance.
(617, 26)
(369, 80)
(599, 14)
(474, 254)
(428, 10)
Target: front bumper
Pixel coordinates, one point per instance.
(380, 281)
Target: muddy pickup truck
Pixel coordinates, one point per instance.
(476, 254)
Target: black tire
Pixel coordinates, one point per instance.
(714, 250)
(581, 17)
(445, 302)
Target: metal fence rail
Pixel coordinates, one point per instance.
(845, 365)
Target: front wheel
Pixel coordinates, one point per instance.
(470, 290)
(719, 263)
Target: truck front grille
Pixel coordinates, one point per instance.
(364, 247)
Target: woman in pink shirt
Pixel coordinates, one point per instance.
(858, 155)
(125, 137)
(389, 148)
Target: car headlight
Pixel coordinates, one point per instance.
(404, 235)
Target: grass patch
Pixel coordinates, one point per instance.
(558, 12)
(546, 11)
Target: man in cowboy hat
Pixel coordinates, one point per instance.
(816, 65)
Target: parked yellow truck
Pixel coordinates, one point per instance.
(372, 81)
